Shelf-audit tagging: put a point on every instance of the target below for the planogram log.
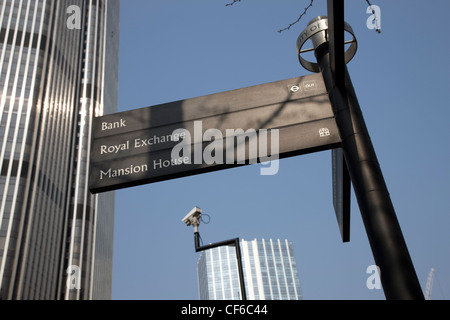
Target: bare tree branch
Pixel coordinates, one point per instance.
(290, 25)
(299, 18)
(301, 15)
(231, 3)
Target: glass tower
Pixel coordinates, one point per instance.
(58, 70)
(270, 272)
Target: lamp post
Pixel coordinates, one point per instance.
(193, 218)
(388, 246)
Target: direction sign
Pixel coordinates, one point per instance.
(341, 193)
(212, 132)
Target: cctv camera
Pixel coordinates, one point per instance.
(193, 217)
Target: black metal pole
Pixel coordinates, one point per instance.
(232, 242)
(390, 252)
(240, 268)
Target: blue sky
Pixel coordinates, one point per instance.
(177, 49)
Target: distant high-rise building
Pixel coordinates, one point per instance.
(58, 70)
(270, 272)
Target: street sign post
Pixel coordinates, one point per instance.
(388, 246)
(136, 147)
(341, 193)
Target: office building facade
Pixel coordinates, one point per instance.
(58, 70)
(269, 267)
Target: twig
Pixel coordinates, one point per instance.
(231, 3)
(299, 18)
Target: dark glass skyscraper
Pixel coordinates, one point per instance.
(58, 70)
